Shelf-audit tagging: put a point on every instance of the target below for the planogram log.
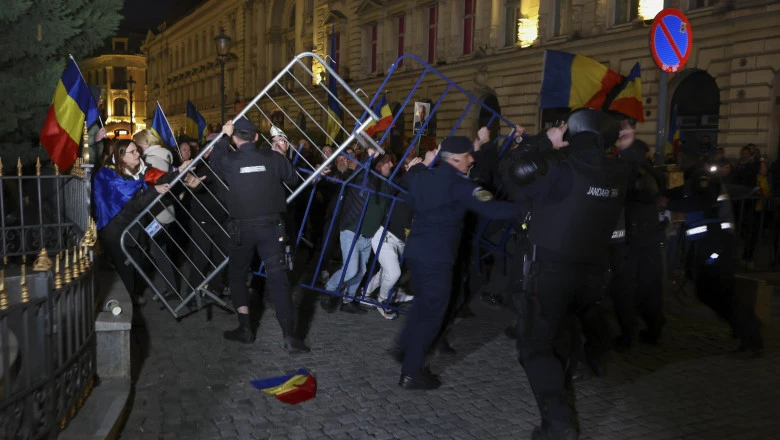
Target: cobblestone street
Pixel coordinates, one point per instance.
(193, 385)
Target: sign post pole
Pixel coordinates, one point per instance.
(670, 43)
(660, 134)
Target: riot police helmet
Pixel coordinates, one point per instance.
(586, 120)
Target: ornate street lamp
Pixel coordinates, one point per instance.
(222, 42)
(130, 87)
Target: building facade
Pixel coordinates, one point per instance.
(729, 88)
(112, 71)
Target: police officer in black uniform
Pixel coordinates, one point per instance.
(637, 262)
(439, 199)
(711, 257)
(256, 201)
(575, 207)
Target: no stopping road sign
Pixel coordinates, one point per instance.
(671, 39)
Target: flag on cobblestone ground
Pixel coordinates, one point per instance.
(291, 388)
(64, 126)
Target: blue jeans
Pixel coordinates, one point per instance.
(355, 267)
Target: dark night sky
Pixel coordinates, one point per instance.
(142, 15)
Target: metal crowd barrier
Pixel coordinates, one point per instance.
(167, 250)
(303, 112)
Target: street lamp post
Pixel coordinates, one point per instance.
(222, 42)
(130, 86)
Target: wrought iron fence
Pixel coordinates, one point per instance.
(45, 210)
(47, 317)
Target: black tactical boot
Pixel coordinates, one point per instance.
(243, 333)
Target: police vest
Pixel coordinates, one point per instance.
(720, 218)
(619, 234)
(581, 225)
(255, 183)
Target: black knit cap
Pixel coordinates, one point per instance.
(457, 145)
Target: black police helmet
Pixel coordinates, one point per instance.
(586, 120)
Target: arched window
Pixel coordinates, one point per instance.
(292, 18)
(120, 107)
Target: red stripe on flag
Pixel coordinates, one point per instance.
(629, 107)
(610, 81)
(61, 148)
(153, 175)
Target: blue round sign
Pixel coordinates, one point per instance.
(671, 39)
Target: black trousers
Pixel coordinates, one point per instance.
(161, 251)
(209, 250)
(266, 238)
(559, 292)
(110, 240)
(713, 270)
(432, 286)
(637, 285)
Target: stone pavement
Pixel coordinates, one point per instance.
(190, 384)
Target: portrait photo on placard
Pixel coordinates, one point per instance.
(421, 112)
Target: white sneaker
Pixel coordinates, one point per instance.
(324, 276)
(402, 297)
(387, 314)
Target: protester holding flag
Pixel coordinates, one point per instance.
(161, 158)
(121, 191)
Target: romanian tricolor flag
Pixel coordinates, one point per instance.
(334, 108)
(382, 109)
(196, 124)
(673, 140)
(575, 81)
(64, 126)
(292, 388)
(162, 129)
(629, 99)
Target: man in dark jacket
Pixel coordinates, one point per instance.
(439, 199)
(636, 263)
(256, 201)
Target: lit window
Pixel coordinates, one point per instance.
(432, 21)
(511, 17)
(562, 14)
(401, 29)
(626, 11)
(469, 18)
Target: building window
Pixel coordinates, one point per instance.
(469, 19)
(401, 30)
(291, 24)
(698, 4)
(511, 17)
(372, 31)
(562, 14)
(626, 11)
(432, 22)
(120, 107)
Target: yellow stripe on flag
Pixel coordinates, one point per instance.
(291, 384)
(586, 78)
(69, 115)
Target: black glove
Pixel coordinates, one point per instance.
(526, 168)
